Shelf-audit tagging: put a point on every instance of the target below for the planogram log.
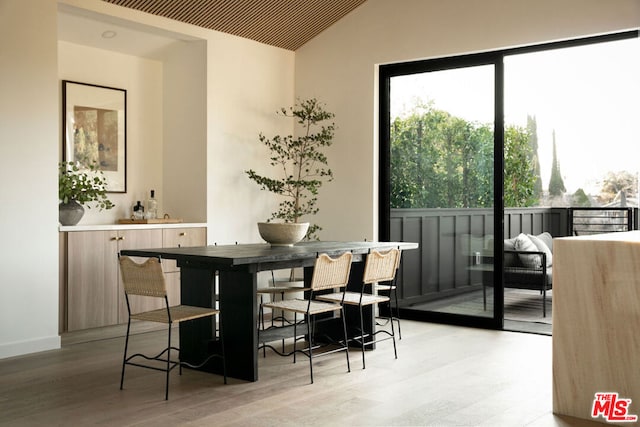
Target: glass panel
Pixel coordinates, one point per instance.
(579, 107)
(441, 178)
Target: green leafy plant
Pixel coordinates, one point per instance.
(83, 186)
(302, 164)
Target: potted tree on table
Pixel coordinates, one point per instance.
(77, 187)
(303, 169)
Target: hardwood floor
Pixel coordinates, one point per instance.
(522, 308)
(444, 376)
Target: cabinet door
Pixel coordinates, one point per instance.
(137, 239)
(92, 277)
(172, 280)
(95, 294)
(181, 237)
(62, 281)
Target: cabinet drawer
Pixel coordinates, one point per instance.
(181, 237)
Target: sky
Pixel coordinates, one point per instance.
(588, 95)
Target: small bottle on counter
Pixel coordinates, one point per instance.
(152, 206)
(138, 211)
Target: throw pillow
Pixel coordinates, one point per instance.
(547, 239)
(524, 243)
(510, 260)
(542, 247)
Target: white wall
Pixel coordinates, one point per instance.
(340, 68)
(184, 165)
(246, 82)
(142, 79)
(29, 132)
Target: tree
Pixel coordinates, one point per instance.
(556, 184)
(532, 128)
(303, 165)
(519, 175)
(618, 182)
(580, 198)
(413, 158)
(439, 160)
(442, 161)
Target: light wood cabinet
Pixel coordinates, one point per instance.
(136, 239)
(94, 291)
(181, 237)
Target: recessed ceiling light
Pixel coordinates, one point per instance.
(109, 34)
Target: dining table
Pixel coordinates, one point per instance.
(226, 276)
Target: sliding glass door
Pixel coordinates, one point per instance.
(441, 182)
(450, 163)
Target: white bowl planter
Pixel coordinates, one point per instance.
(282, 233)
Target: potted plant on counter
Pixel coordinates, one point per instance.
(77, 187)
(303, 169)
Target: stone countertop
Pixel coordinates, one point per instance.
(109, 227)
(620, 236)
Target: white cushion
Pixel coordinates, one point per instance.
(542, 247)
(546, 239)
(524, 243)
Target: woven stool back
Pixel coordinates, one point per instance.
(381, 266)
(331, 272)
(143, 279)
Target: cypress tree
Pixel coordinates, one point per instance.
(556, 184)
(532, 128)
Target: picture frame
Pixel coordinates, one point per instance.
(94, 123)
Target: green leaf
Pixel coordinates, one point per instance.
(83, 185)
(299, 161)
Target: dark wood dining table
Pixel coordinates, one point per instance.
(236, 268)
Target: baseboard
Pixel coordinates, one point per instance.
(30, 346)
(109, 332)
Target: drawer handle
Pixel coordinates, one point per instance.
(121, 238)
(183, 234)
(113, 239)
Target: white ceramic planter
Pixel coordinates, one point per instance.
(282, 234)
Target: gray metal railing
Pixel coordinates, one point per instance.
(440, 266)
(585, 221)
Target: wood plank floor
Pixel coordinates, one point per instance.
(444, 376)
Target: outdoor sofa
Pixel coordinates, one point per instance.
(528, 264)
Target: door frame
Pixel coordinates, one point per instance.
(496, 58)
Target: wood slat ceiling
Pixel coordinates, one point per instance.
(287, 24)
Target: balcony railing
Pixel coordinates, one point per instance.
(439, 267)
(584, 221)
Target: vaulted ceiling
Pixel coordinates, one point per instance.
(287, 24)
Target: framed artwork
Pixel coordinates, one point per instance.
(94, 122)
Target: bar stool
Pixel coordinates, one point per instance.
(379, 267)
(147, 280)
(328, 273)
